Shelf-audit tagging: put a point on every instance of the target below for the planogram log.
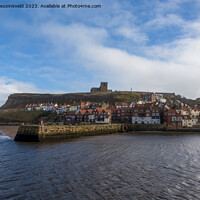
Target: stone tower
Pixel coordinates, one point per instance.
(104, 86)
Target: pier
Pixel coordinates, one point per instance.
(38, 133)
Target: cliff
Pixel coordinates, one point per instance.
(20, 100)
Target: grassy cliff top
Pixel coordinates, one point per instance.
(19, 100)
(19, 115)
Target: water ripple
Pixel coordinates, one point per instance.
(104, 167)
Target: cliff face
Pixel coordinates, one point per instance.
(20, 100)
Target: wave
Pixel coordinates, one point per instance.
(4, 137)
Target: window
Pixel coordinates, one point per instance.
(173, 119)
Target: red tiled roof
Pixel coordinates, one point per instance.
(90, 111)
(99, 109)
(82, 112)
(115, 109)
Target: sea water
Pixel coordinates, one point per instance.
(102, 167)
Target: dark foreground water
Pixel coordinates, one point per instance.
(104, 167)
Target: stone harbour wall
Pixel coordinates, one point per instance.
(145, 127)
(36, 133)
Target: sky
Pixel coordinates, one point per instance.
(139, 44)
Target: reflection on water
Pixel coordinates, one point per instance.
(103, 167)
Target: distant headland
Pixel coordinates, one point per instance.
(96, 94)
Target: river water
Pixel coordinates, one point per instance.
(103, 167)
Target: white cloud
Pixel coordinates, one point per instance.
(165, 21)
(132, 33)
(177, 72)
(162, 7)
(169, 67)
(10, 86)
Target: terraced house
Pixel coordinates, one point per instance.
(146, 114)
(185, 117)
(97, 115)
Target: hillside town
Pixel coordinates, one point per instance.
(152, 108)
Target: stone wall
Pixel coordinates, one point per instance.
(38, 134)
(187, 130)
(145, 127)
(158, 127)
(28, 133)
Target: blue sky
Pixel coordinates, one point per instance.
(140, 44)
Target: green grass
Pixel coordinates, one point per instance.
(20, 100)
(18, 115)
